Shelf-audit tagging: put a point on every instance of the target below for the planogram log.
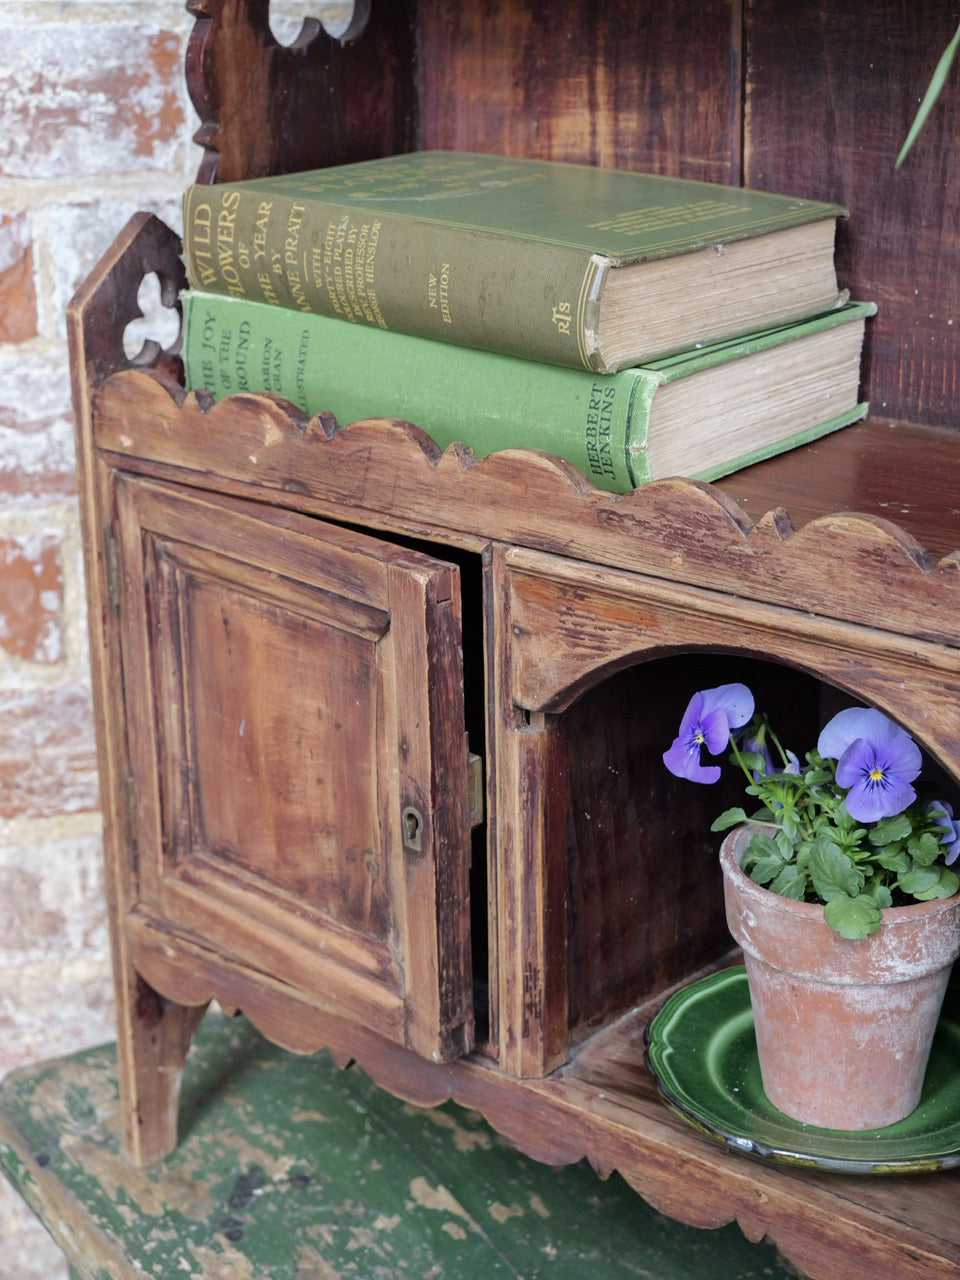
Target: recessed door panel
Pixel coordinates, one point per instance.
(283, 749)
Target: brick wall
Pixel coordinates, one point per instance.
(95, 123)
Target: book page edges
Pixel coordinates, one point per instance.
(686, 363)
(807, 436)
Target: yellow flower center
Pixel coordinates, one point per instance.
(876, 774)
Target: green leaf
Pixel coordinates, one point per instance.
(790, 824)
(762, 860)
(853, 917)
(846, 823)
(948, 882)
(881, 896)
(817, 776)
(893, 858)
(889, 830)
(920, 881)
(790, 883)
(755, 761)
(833, 872)
(729, 818)
(925, 849)
(937, 81)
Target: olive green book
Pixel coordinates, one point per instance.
(701, 414)
(565, 263)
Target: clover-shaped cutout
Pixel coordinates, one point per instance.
(156, 329)
(295, 21)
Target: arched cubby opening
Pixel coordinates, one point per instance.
(598, 674)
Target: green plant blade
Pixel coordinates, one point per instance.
(934, 88)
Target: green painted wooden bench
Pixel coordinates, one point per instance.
(291, 1169)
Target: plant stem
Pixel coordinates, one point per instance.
(747, 771)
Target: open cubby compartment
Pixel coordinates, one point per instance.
(642, 895)
(588, 620)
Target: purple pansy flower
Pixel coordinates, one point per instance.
(758, 745)
(707, 721)
(951, 832)
(876, 760)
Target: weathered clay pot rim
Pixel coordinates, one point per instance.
(892, 916)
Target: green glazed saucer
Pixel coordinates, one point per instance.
(701, 1050)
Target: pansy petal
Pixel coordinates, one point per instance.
(692, 715)
(685, 763)
(868, 803)
(735, 700)
(715, 728)
(707, 721)
(951, 829)
(838, 733)
(872, 726)
(898, 750)
(854, 762)
(878, 786)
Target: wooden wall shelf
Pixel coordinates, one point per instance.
(302, 632)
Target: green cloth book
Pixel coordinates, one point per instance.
(564, 263)
(700, 414)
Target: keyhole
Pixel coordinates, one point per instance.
(412, 823)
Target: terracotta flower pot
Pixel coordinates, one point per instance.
(843, 1027)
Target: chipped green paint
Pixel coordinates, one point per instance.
(289, 1169)
(15, 1168)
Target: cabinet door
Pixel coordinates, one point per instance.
(293, 693)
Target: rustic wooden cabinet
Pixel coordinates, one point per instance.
(381, 727)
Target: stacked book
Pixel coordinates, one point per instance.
(638, 326)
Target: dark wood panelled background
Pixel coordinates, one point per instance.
(808, 96)
(831, 92)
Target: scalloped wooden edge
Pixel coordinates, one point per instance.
(852, 566)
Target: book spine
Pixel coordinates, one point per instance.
(486, 400)
(396, 272)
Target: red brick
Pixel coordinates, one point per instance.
(155, 125)
(31, 598)
(87, 99)
(52, 891)
(18, 298)
(37, 457)
(52, 1007)
(47, 752)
